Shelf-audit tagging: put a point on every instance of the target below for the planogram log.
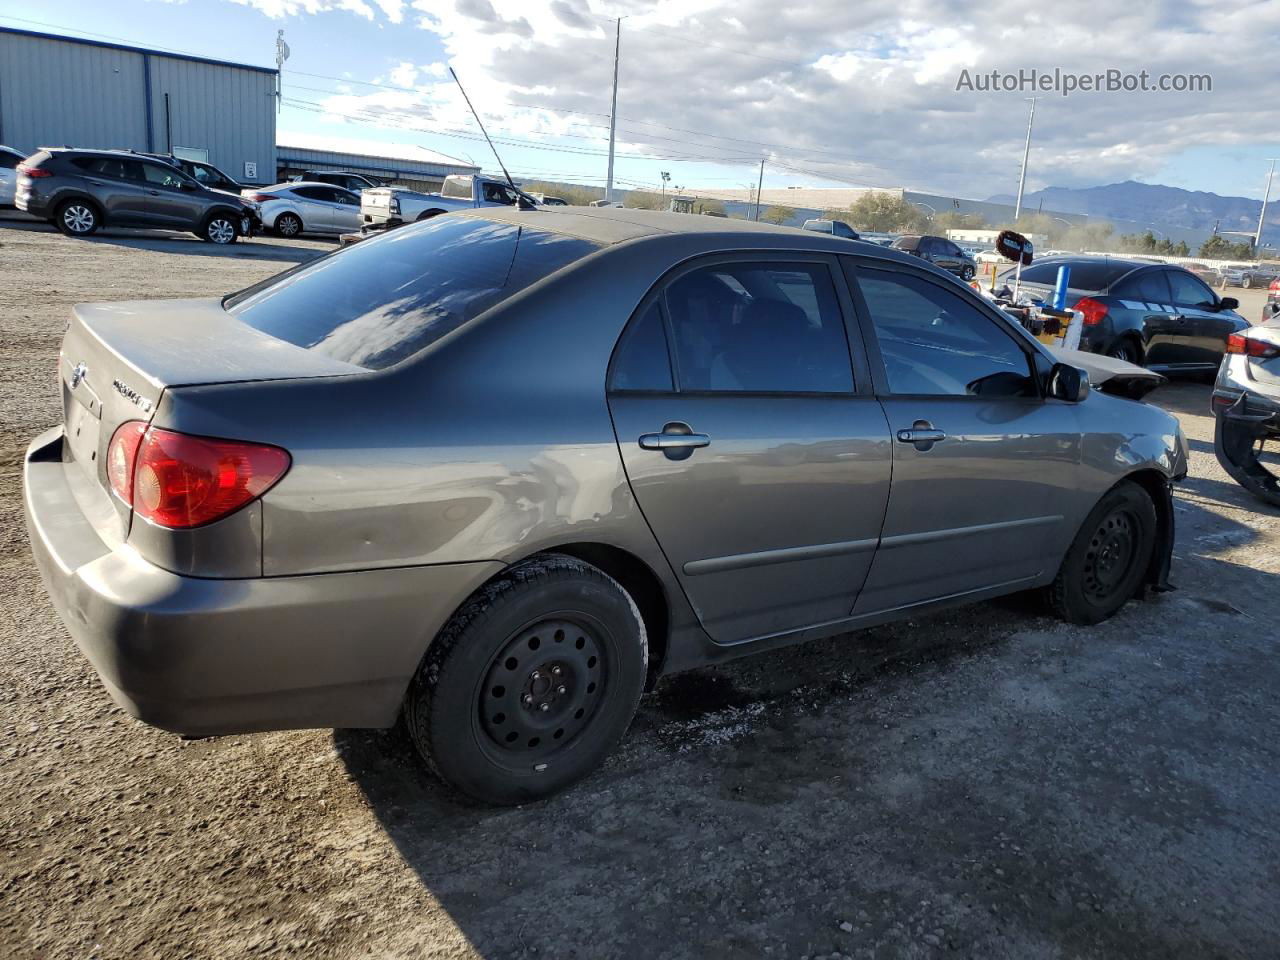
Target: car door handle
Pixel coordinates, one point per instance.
(923, 435)
(677, 440)
(154, 193)
(1178, 318)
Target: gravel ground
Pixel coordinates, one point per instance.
(986, 782)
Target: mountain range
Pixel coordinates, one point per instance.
(1150, 203)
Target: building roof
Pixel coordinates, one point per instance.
(191, 58)
(373, 149)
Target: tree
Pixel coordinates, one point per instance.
(1218, 247)
(954, 220)
(574, 195)
(884, 212)
(777, 215)
(1181, 249)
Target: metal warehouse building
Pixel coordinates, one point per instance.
(418, 168)
(57, 91)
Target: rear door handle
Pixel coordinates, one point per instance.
(677, 440)
(1178, 318)
(154, 193)
(922, 435)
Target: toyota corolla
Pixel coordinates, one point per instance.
(500, 471)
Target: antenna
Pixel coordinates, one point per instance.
(521, 202)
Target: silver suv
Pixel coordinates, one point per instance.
(80, 190)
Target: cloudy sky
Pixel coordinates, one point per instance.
(826, 92)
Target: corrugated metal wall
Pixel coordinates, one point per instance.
(417, 175)
(55, 91)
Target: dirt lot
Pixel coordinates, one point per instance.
(986, 782)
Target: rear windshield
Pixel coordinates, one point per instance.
(382, 300)
(1085, 274)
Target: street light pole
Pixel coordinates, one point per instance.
(613, 111)
(1026, 153)
(1257, 237)
(759, 187)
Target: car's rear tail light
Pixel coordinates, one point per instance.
(122, 453)
(33, 171)
(1094, 310)
(1246, 346)
(179, 481)
(258, 197)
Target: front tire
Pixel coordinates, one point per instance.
(219, 229)
(77, 218)
(288, 225)
(531, 683)
(1110, 555)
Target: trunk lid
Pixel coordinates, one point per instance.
(117, 359)
(376, 199)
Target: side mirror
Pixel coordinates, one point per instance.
(1068, 383)
(1228, 303)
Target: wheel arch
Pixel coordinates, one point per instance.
(427, 215)
(79, 196)
(291, 213)
(1157, 486)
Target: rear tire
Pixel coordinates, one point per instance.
(966, 274)
(1125, 349)
(288, 225)
(531, 683)
(1110, 555)
(77, 218)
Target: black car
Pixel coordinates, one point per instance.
(80, 190)
(205, 174)
(939, 251)
(1154, 314)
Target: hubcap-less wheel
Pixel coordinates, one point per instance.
(221, 231)
(543, 687)
(78, 218)
(1110, 556)
(1124, 350)
(288, 225)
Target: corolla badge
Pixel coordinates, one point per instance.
(78, 374)
(132, 395)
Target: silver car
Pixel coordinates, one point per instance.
(9, 160)
(293, 208)
(500, 471)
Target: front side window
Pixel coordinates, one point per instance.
(935, 343)
(759, 328)
(164, 176)
(1189, 291)
(381, 301)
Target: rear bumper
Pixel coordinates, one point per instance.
(202, 656)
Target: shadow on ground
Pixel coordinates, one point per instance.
(161, 241)
(986, 780)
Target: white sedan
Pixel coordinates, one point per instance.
(290, 209)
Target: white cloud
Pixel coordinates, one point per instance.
(865, 92)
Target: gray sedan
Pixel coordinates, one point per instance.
(502, 470)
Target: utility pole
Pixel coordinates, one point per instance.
(613, 111)
(1257, 237)
(282, 54)
(759, 187)
(1026, 153)
(666, 175)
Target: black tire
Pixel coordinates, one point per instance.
(966, 274)
(1109, 557)
(288, 225)
(1246, 281)
(77, 218)
(531, 683)
(1127, 350)
(220, 228)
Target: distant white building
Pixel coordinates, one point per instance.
(406, 163)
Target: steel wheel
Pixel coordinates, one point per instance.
(79, 218)
(543, 687)
(1124, 350)
(220, 230)
(1110, 556)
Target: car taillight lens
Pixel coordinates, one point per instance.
(258, 197)
(33, 171)
(179, 481)
(1246, 346)
(393, 206)
(1094, 310)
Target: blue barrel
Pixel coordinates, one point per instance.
(1060, 291)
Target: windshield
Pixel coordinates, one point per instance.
(383, 300)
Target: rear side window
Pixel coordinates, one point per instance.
(935, 343)
(759, 328)
(1148, 286)
(457, 189)
(642, 361)
(107, 167)
(381, 301)
(8, 160)
(1085, 274)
